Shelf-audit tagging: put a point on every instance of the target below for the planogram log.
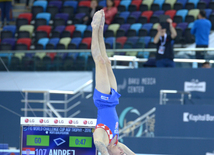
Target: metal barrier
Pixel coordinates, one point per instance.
(164, 99)
(135, 60)
(48, 108)
(112, 50)
(132, 59)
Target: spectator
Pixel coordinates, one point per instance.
(94, 8)
(206, 65)
(5, 6)
(201, 30)
(110, 11)
(165, 54)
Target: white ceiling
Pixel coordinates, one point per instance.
(66, 81)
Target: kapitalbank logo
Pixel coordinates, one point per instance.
(195, 85)
(188, 117)
(185, 117)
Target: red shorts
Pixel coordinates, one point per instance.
(108, 131)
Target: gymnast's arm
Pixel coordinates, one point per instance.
(100, 141)
(125, 149)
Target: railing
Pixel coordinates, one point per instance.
(142, 120)
(164, 99)
(48, 108)
(110, 50)
(135, 60)
(116, 58)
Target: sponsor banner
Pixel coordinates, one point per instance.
(187, 117)
(147, 82)
(195, 85)
(184, 121)
(58, 121)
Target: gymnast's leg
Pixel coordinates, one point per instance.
(102, 80)
(111, 77)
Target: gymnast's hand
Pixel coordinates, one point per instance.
(115, 149)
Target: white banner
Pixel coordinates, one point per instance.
(58, 121)
(195, 85)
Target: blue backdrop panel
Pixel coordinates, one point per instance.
(170, 145)
(147, 82)
(184, 121)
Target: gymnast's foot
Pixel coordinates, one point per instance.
(95, 24)
(102, 22)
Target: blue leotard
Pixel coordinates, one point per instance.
(107, 116)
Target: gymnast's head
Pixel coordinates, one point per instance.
(115, 149)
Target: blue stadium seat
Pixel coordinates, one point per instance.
(195, 2)
(183, 2)
(183, 26)
(125, 15)
(136, 27)
(148, 27)
(190, 25)
(89, 28)
(145, 40)
(11, 41)
(11, 28)
(81, 28)
(182, 13)
(208, 12)
(102, 3)
(160, 2)
(74, 4)
(126, 3)
(135, 14)
(62, 16)
(133, 40)
(110, 40)
(158, 13)
(45, 15)
(88, 32)
(105, 27)
(54, 41)
(44, 42)
(58, 4)
(76, 41)
(123, 30)
(42, 4)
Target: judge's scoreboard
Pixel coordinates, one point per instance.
(57, 136)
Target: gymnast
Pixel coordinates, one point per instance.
(105, 95)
